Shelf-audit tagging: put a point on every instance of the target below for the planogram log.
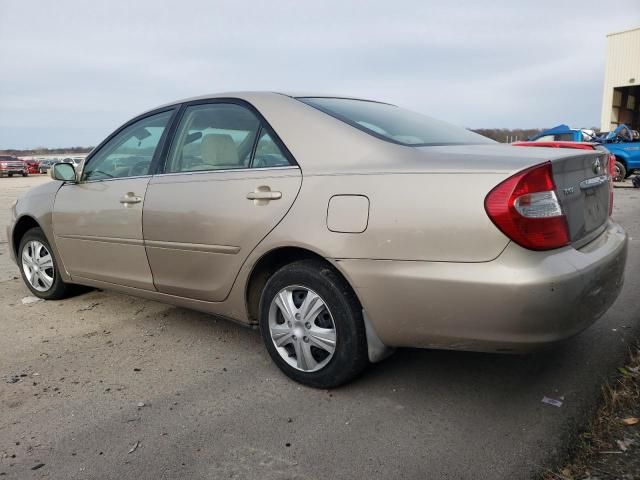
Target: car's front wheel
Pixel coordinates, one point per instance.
(311, 323)
(39, 267)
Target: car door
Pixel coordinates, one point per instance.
(97, 221)
(227, 182)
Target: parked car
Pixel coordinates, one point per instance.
(45, 165)
(76, 162)
(623, 143)
(33, 166)
(341, 227)
(10, 166)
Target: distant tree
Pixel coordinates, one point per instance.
(503, 134)
(45, 151)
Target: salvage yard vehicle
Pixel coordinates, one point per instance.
(45, 165)
(33, 166)
(10, 166)
(341, 227)
(623, 143)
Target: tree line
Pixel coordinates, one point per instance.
(45, 151)
(502, 134)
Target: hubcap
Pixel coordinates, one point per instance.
(618, 174)
(37, 264)
(302, 328)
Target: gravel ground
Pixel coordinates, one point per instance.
(106, 386)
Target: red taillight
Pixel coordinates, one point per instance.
(525, 208)
(612, 174)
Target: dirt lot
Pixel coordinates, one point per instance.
(110, 386)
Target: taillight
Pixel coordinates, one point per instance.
(526, 209)
(612, 174)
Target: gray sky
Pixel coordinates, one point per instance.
(72, 71)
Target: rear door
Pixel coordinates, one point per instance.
(226, 183)
(97, 222)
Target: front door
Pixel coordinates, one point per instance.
(227, 182)
(97, 222)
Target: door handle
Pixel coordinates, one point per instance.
(264, 193)
(130, 198)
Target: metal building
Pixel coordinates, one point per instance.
(621, 96)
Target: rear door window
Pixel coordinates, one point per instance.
(214, 136)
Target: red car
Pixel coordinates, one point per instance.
(33, 166)
(614, 174)
(11, 166)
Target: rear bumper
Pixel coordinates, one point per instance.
(519, 301)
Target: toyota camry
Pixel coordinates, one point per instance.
(342, 228)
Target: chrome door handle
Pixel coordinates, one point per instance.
(130, 198)
(264, 195)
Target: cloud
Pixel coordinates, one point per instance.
(74, 70)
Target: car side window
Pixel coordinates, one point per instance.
(268, 154)
(214, 136)
(130, 152)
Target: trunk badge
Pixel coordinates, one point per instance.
(569, 191)
(597, 167)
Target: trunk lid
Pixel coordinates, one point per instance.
(582, 184)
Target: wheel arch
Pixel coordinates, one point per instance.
(271, 262)
(621, 158)
(22, 226)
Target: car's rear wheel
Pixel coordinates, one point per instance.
(39, 267)
(311, 323)
(620, 172)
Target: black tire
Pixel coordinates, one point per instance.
(350, 355)
(58, 289)
(621, 172)
(10, 175)
(25, 174)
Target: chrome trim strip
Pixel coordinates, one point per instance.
(594, 182)
(90, 238)
(112, 179)
(229, 170)
(193, 247)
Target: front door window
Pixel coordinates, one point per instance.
(130, 152)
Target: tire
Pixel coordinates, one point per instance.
(58, 289)
(10, 175)
(337, 310)
(621, 172)
(25, 174)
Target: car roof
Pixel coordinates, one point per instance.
(249, 95)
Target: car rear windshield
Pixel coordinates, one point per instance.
(394, 124)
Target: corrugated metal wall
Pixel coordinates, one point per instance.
(622, 70)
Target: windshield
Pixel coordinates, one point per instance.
(394, 124)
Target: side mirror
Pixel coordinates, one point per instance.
(63, 172)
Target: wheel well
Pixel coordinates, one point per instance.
(23, 226)
(268, 265)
